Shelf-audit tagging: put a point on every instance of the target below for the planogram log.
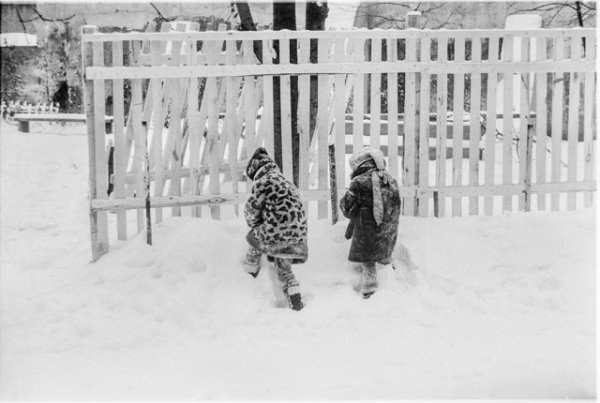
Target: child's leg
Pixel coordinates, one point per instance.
(291, 288)
(369, 276)
(251, 262)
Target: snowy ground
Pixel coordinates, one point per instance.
(494, 307)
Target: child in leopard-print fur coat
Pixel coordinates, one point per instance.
(276, 216)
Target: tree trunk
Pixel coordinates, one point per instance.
(580, 21)
(247, 24)
(315, 21)
(284, 17)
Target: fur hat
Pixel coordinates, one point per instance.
(259, 159)
(366, 154)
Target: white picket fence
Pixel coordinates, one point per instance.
(464, 155)
(13, 107)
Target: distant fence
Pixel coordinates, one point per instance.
(202, 102)
(9, 110)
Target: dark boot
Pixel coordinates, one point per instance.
(291, 288)
(294, 297)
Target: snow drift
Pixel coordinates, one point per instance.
(478, 307)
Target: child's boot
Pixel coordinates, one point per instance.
(251, 262)
(291, 288)
(294, 297)
(369, 277)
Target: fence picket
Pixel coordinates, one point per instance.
(212, 135)
(409, 152)
(475, 127)
(490, 126)
(91, 55)
(266, 121)
(156, 147)
(588, 124)
(249, 104)
(222, 107)
(358, 97)
(557, 122)
(573, 118)
(195, 134)
(524, 89)
(541, 122)
(130, 185)
(286, 112)
(304, 114)
(139, 137)
(457, 125)
(121, 154)
(441, 125)
(375, 99)
(322, 127)
(340, 116)
(173, 151)
(507, 123)
(424, 135)
(231, 118)
(392, 94)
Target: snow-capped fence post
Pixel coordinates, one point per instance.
(93, 55)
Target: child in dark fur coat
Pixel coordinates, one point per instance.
(275, 214)
(372, 203)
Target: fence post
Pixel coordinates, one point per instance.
(528, 163)
(411, 112)
(92, 54)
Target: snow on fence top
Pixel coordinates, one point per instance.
(201, 102)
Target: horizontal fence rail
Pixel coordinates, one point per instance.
(471, 121)
(111, 73)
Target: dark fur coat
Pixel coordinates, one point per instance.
(370, 242)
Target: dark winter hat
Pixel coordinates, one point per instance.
(259, 159)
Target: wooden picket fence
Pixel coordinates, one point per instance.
(9, 110)
(201, 102)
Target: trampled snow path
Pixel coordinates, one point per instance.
(499, 307)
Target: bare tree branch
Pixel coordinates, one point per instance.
(162, 17)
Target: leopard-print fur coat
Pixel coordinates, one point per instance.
(274, 211)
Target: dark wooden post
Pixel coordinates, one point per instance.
(333, 184)
(315, 21)
(284, 17)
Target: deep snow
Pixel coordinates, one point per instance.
(492, 307)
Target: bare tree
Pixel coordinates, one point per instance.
(565, 13)
(315, 21)
(284, 17)
(247, 24)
